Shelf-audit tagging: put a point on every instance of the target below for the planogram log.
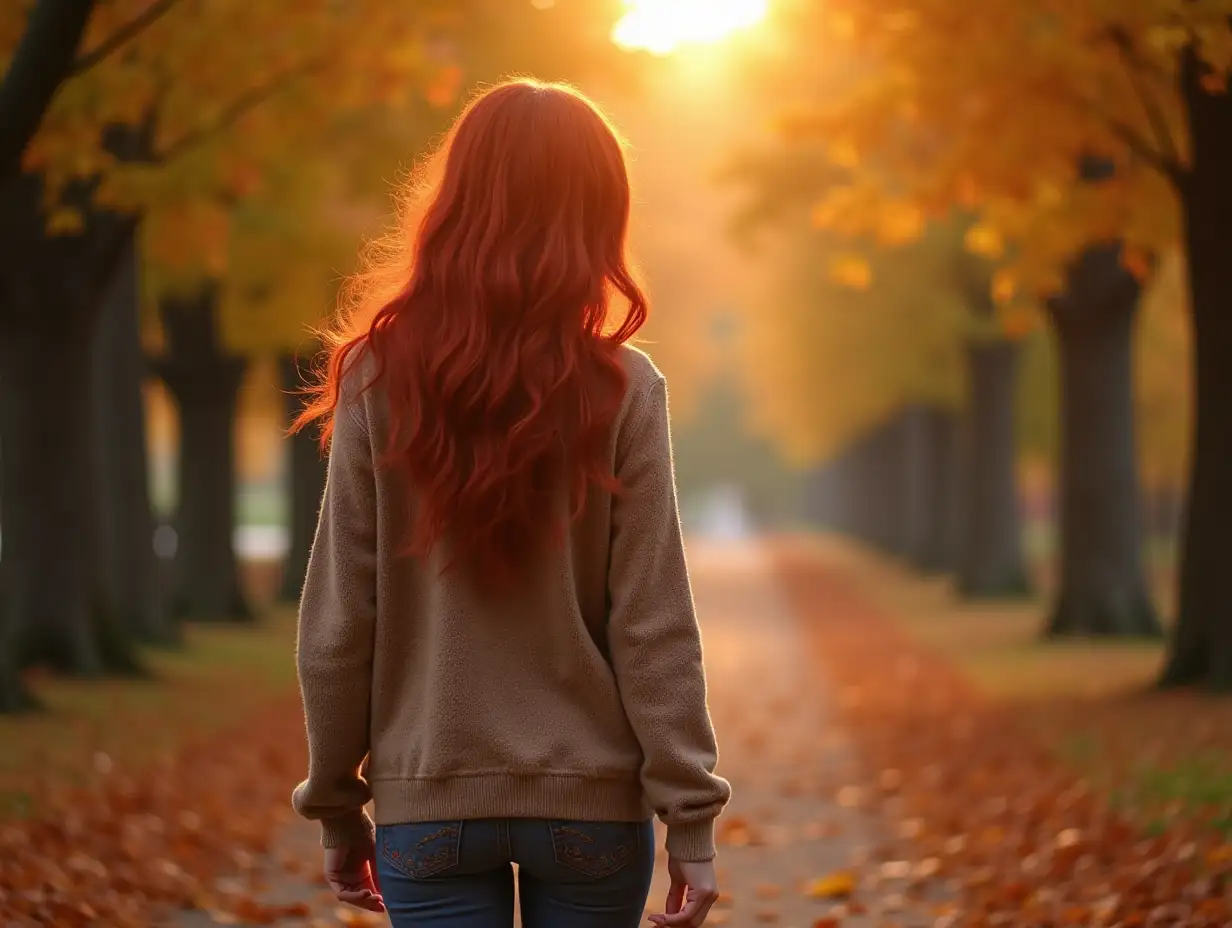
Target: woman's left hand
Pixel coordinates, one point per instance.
(350, 871)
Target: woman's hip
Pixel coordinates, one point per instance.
(581, 874)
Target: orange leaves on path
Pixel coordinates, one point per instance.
(839, 885)
(187, 833)
(1018, 837)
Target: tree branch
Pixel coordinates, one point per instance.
(1167, 148)
(123, 35)
(42, 61)
(1161, 161)
(236, 110)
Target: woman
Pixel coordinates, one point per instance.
(497, 643)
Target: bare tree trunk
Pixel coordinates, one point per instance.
(991, 563)
(1102, 588)
(205, 383)
(129, 567)
(47, 495)
(928, 483)
(49, 312)
(42, 61)
(1201, 648)
(306, 482)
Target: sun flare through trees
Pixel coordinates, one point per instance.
(663, 26)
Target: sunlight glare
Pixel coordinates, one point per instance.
(662, 26)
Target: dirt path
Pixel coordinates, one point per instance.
(792, 821)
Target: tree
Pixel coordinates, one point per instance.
(43, 58)
(73, 216)
(1007, 124)
(1102, 588)
(902, 331)
(205, 382)
(129, 572)
(1162, 398)
(1201, 649)
(305, 479)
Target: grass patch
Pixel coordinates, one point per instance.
(221, 676)
(1158, 757)
(999, 646)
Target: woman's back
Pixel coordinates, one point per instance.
(497, 622)
(510, 702)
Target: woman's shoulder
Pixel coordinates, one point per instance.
(640, 369)
(645, 382)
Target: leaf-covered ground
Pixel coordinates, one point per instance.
(1022, 831)
(793, 848)
(896, 762)
(129, 797)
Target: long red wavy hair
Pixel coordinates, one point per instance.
(486, 314)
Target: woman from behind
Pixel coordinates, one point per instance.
(497, 644)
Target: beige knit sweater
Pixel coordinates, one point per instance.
(578, 695)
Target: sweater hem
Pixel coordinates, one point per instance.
(505, 795)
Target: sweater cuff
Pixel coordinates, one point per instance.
(693, 842)
(350, 830)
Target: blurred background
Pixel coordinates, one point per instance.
(926, 277)
(854, 338)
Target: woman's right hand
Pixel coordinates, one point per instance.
(694, 889)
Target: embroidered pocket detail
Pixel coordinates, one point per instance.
(596, 849)
(421, 849)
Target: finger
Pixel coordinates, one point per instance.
(372, 874)
(675, 898)
(703, 911)
(340, 882)
(693, 913)
(363, 899)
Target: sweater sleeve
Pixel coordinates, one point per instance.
(335, 639)
(655, 641)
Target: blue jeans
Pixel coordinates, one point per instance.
(570, 874)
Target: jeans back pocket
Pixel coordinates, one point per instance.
(596, 849)
(420, 849)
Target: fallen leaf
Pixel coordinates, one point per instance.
(837, 885)
(358, 918)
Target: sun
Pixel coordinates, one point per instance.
(662, 26)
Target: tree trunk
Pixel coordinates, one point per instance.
(928, 452)
(820, 496)
(829, 500)
(847, 491)
(865, 510)
(951, 490)
(205, 383)
(1165, 508)
(128, 565)
(14, 697)
(47, 494)
(49, 311)
(1102, 588)
(991, 563)
(1201, 648)
(43, 59)
(306, 483)
(880, 475)
(895, 483)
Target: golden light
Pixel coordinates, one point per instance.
(662, 26)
